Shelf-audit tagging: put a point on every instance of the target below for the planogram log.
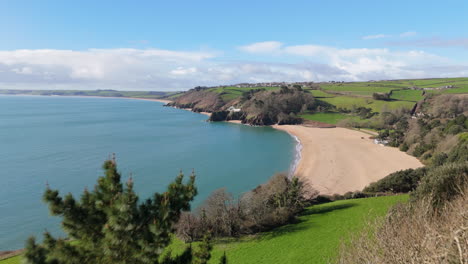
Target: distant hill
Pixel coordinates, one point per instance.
(101, 93)
(339, 100)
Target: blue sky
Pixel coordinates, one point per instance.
(174, 45)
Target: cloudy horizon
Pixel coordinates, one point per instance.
(147, 54)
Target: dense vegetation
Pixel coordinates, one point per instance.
(432, 227)
(272, 204)
(355, 103)
(313, 238)
(398, 182)
(109, 225)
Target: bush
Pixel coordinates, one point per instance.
(412, 234)
(269, 205)
(459, 153)
(439, 159)
(455, 129)
(404, 147)
(442, 184)
(421, 148)
(381, 96)
(398, 182)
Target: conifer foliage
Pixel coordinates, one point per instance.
(109, 224)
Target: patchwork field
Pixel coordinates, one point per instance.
(329, 118)
(229, 93)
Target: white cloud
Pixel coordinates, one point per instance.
(433, 42)
(378, 36)
(156, 69)
(408, 34)
(98, 68)
(364, 64)
(262, 47)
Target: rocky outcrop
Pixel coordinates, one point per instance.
(199, 101)
(259, 108)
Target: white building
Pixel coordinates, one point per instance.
(233, 109)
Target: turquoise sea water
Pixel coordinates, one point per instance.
(63, 141)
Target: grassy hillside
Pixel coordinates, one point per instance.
(229, 93)
(314, 239)
(13, 260)
(329, 118)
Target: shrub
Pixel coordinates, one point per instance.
(439, 159)
(412, 234)
(398, 182)
(404, 147)
(459, 153)
(442, 184)
(381, 96)
(421, 148)
(268, 205)
(455, 129)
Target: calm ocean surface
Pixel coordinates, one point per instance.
(63, 141)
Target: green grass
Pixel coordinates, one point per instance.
(360, 89)
(320, 94)
(407, 95)
(329, 118)
(376, 105)
(12, 260)
(458, 90)
(230, 93)
(314, 239)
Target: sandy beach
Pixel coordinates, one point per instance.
(338, 160)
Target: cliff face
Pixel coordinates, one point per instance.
(199, 101)
(259, 107)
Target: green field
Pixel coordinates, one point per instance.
(13, 260)
(407, 95)
(359, 88)
(320, 94)
(315, 238)
(229, 93)
(366, 89)
(376, 105)
(458, 90)
(329, 118)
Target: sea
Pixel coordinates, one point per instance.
(62, 142)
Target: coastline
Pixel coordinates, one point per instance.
(339, 160)
(335, 160)
(332, 160)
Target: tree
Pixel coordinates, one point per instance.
(109, 225)
(381, 96)
(204, 253)
(223, 259)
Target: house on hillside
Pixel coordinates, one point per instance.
(233, 109)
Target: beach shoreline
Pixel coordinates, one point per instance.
(340, 160)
